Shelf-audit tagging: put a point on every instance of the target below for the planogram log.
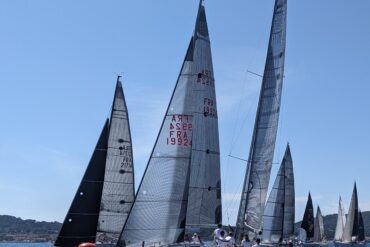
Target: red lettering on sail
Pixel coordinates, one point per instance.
(209, 107)
(205, 78)
(179, 130)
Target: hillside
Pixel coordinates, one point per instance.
(17, 229)
(330, 222)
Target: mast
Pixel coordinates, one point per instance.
(308, 218)
(118, 190)
(341, 221)
(180, 188)
(261, 153)
(81, 220)
(278, 218)
(351, 226)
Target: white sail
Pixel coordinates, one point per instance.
(256, 181)
(341, 221)
(278, 218)
(319, 227)
(351, 226)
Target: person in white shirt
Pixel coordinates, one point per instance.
(230, 239)
(221, 241)
(245, 241)
(195, 239)
(217, 233)
(257, 244)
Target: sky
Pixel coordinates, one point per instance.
(58, 66)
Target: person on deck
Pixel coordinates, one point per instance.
(245, 241)
(217, 233)
(221, 241)
(257, 244)
(195, 239)
(230, 239)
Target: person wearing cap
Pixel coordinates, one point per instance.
(230, 239)
(195, 239)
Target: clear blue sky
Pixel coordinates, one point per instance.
(58, 61)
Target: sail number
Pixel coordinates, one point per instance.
(209, 107)
(205, 78)
(180, 129)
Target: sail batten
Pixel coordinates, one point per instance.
(261, 153)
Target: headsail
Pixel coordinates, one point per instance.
(264, 136)
(308, 218)
(361, 227)
(341, 221)
(118, 190)
(278, 218)
(319, 226)
(81, 221)
(351, 226)
(181, 183)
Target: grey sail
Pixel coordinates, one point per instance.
(278, 218)
(261, 153)
(341, 221)
(204, 200)
(351, 226)
(81, 221)
(187, 141)
(318, 235)
(118, 190)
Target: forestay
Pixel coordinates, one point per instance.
(118, 190)
(278, 218)
(180, 188)
(264, 136)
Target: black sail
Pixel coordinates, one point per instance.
(118, 190)
(361, 227)
(256, 181)
(81, 221)
(180, 188)
(308, 218)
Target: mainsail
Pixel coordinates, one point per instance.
(118, 190)
(319, 226)
(361, 227)
(261, 153)
(106, 193)
(180, 188)
(278, 218)
(351, 226)
(341, 221)
(81, 221)
(308, 218)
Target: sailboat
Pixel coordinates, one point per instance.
(341, 221)
(257, 176)
(318, 235)
(361, 227)
(180, 191)
(278, 218)
(308, 219)
(106, 192)
(351, 227)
